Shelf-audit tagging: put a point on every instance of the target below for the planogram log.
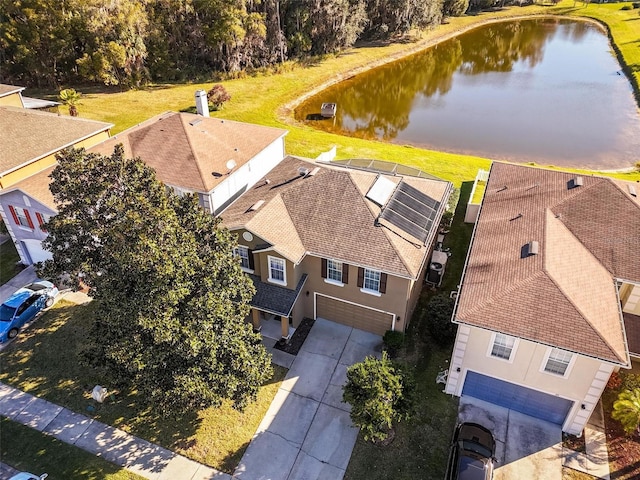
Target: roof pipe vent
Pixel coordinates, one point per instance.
(632, 191)
(303, 171)
(531, 248)
(575, 182)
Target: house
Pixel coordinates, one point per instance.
(29, 142)
(11, 96)
(549, 302)
(216, 159)
(323, 240)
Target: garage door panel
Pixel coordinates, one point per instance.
(355, 316)
(521, 399)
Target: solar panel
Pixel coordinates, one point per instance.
(411, 210)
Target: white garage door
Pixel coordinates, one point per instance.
(35, 252)
(352, 315)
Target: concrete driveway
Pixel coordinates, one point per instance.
(307, 433)
(526, 447)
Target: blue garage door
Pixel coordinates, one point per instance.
(521, 399)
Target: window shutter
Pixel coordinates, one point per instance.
(14, 215)
(40, 221)
(383, 283)
(26, 214)
(360, 277)
(251, 262)
(323, 268)
(345, 273)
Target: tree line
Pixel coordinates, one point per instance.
(49, 43)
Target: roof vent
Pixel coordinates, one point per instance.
(502, 189)
(314, 171)
(231, 164)
(195, 122)
(303, 171)
(256, 205)
(531, 248)
(575, 182)
(516, 217)
(632, 191)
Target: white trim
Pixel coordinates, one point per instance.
(333, 282)
(516, 342)
(315, 307)
(284, 271)
(545, 359)
(247, 270)
(375, 293)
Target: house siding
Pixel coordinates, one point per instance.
(12, 100)
(630, 298)
(583, 384)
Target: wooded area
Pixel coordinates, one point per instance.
(49, 43)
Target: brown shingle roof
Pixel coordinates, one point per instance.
(191, 151)
(328, 215)
(37, 187)
(566, 295)
(26, 135)
(9, 89)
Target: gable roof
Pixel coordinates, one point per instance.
(328, 215)
(28, 135)
(566, 295)
(37, 187)
(9, 89)
(191, 151)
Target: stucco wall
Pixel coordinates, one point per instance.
(12, 100)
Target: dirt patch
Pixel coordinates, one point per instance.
(572, 442)
(296, 341)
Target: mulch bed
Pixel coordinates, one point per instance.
(577, 444)
(624, 450)
(294, 344)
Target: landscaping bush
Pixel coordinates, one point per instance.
(626, 410)
(439, 311)
(615, 382)
(630, 381)
(393, 342)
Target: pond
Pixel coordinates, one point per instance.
(548, 91)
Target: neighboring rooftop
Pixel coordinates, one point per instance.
(192, 151)
(36, 103)
(327, 213)
(28, 135)
(587, 231)
(37, 187)
(9, 89)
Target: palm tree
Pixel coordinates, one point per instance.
(626, 410)
(71, 98)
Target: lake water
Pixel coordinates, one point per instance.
(548, 91)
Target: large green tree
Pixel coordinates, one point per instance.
(171, 299)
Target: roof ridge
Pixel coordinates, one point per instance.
(192, 149)
(582, 190)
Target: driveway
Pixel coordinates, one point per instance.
(526, 447)
(307, 433)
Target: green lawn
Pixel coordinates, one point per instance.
(9, 259)
(43, 362)
(29, 450)
(268, 99)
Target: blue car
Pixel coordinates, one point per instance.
(23, 306)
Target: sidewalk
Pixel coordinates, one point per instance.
(596, 459)
(139, 456)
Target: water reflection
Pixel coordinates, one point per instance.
(513, 90)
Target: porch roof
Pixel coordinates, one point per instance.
(273, 298)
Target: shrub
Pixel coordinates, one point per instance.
(393, 342)
(217, 96)
(630, 381)
(626, 410)
(380, 392)
(615, 381)
(439, 311)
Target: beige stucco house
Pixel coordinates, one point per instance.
(548, 304)
(29, 142)
(326, 241)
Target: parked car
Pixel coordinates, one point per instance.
(23, 306)
(472, 453)
(28, 476)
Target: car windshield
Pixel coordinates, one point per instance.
(6, 313)
(471, 469)
(476, 447)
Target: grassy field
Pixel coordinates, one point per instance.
(43, 362)
(29, 450)
(268, 99)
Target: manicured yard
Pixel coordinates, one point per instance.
(9, 259)
(43, 362)
(29, 450)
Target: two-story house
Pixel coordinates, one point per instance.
(326, 241)
(29, 142)
(551, 278)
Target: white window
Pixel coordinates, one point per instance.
(242, 252)
(502, 346)
(277, 270)
(22, 217)
(371, 280)
(558, 362)
(334, 271)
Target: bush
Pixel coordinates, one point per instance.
(630, 381)
(217, 96)
(393, 342)
(615, 382)
(439, 324)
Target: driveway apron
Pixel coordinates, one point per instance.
(307, 433)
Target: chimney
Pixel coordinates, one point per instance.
(202, 104)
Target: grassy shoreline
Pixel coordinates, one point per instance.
(269, 99)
